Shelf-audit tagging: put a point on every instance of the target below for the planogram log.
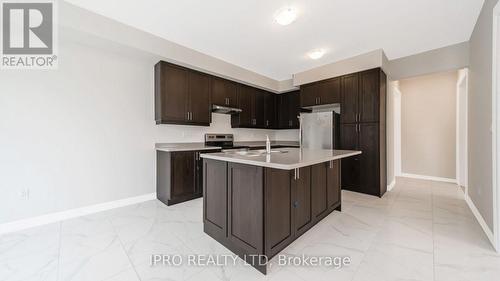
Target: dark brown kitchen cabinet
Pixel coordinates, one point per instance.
(214, 198)
(333, 176)
(309, 95)
(253, 210)
(199, 98)
(362, 173)
(182, 96)
(245, 221)
(321, 92)
(171, 87)
(350, 166)
(361, 96)
(301, 185)
(373, 175)
(349, 99)
(279, 218)
(258, 108)
(363, 109)
(252, 102)
(270, 115)
(224, 92)
(319, 191)
(288, 108)
(245, 118)
(369, 95)
(179, 176)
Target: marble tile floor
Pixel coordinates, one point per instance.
(421, 230)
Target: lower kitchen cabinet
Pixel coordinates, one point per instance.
(179, 176)
(302, 188)
(259, 211)
(364, 173)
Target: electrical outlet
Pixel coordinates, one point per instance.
(25, 194)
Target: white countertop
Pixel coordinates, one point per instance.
(171, 147)
(283, 158)
(193, 146)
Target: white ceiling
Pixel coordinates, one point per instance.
(244, 32)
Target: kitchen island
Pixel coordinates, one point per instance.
(256, 204)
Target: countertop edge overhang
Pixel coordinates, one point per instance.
(309, 157)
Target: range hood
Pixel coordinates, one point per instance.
(225, 109)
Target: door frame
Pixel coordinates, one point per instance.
(463, 76)
(495, 125)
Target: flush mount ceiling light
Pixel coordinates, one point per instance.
(316, 54)
(286, 16)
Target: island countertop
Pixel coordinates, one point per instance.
(283, 158)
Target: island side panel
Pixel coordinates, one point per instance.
(301, 192)
(334, 192)
(246, 207)
(215, 199)
(319, 191)
(279, 212)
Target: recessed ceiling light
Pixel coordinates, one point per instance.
(286, 16)
(316, 54)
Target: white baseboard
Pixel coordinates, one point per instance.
(391, 185)
(481, 220)
(422, 177)
(72, 213)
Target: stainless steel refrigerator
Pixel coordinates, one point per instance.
(320, 130)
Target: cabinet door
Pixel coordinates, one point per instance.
(224, 92)
(319, 191)
(309, 94)
(302, 201)
(329, 91)
(283, 108)
(199, 98)
(294, 103)
(350, 165)
(270, 110)
(214, 197)
(245, 97)
(171, 92)
(245, 207)
(369, 159)
(278, 211)
(183, 174)
(333, 184)
(258, 108)
(349, 98)
(369, 95)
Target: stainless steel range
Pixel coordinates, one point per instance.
(226, 141)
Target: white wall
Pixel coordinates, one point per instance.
(428, 125)
(85, 133)
(480, 114)
(444, 59)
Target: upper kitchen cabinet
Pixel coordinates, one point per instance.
(350, 97)
(288, 108)
(363, 96)
(320, 93)
(253, 103)
(246, 117)
(371, 91)
(224, 92)
(199, 97)
(270, 116)
(182, 96)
